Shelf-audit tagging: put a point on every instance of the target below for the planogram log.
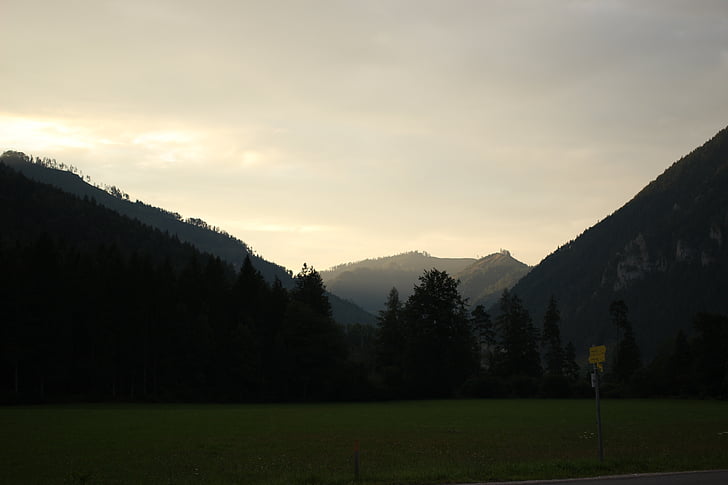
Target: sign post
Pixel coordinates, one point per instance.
(597, 357)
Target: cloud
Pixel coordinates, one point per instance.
(368, 122)
(42, 134)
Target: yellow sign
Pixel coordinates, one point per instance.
(597, 354)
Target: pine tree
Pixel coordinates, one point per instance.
(313, 343)
(440, 350)
(390, 341)
(551, 340)
(310, 289)
(484, 331)
(571, 368)
(711, 353)
(628, 358)
(518, 352)
(681, 367)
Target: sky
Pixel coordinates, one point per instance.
(328, 132)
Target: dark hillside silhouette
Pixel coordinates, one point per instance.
(665, 253)
(95, 305)
(367, 282)
(191, 230)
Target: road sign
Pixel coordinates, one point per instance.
(597, 354)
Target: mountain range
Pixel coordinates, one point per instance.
(368, 282)
(664, 253)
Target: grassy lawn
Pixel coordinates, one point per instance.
(401, 443)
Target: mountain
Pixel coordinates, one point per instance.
(484, 280)
(96, 306)
(368, 282)
(665, 253)
(36, 214)
(192, 230)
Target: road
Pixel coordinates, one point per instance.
(715, 477)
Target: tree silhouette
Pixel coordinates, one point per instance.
(310, 289)
(390, 343)
(628, 358)
(518, 351)
(314, 345)
(440, 350)
(484, 331)
(551, 340)
(571, 368)
(711, 353)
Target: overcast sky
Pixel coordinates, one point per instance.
(334, 131)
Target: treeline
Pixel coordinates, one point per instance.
(96, 306)
(96, 325)
(99, 325)
(380, 259)
(430, 346)
(686, 366)
(11, 156)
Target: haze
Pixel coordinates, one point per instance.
(334, 131)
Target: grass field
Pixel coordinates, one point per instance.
(401, 443)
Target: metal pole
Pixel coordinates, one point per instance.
(599, 415)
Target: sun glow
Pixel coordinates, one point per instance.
(32, 134)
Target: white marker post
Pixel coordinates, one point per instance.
(597, 356)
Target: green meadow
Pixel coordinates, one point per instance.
(417, 442)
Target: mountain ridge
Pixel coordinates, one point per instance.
(367, 282)
(663, 253)
(193, 231)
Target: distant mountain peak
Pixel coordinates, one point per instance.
(367, 282)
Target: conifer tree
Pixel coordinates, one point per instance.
(484, 331)
(314, 348)
(518, 353)
(628, 358)
(571, 368)
(440, 350)
(551, 340)
(390, 340)
(310, 289)
(711, 353)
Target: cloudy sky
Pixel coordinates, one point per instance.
(334, 131)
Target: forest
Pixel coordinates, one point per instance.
(95, 306)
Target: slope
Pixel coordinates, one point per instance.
(192, 231)
(664, 253)
(483, 282)
(368, 282)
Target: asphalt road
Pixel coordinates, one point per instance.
(715, 477)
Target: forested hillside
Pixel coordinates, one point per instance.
(367, 282)
(664, 253)
(192, 230)
(483, 281)
(95, 305)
